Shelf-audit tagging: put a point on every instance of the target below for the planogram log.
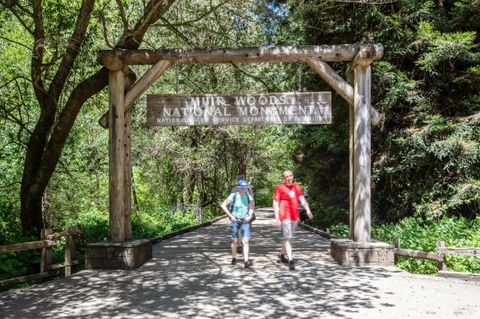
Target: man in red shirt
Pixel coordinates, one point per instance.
(286, 200)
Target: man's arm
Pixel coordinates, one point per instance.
(250, 210)
(276, 210)
(304, 203)
(224, 206)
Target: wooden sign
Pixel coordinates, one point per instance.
(245, 109)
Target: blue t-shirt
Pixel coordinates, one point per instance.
(240, 204)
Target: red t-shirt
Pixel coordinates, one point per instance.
(287, 198)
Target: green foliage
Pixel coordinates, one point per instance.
(442, 48)
(156, 224)
(415, 233)
(425, 154)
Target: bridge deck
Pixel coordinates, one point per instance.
(190, 276)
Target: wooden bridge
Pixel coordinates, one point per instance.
(190, 276)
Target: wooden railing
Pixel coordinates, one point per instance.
(439, 257)
(47, 241)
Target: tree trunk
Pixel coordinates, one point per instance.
(50, 134)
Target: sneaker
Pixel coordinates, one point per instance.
(282, 258)
(234, 261)
(248, 263)
(291, 265)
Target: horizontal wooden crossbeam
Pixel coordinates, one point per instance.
(117, 59)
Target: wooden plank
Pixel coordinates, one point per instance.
(18, 280)
(140, 87)
(460, 275)
(64, 265)
(416, 254)
(68, 232)
(113, 59)
(258, 109)
(117, 156)
(460, 251)
(361, 155)
(26, 246)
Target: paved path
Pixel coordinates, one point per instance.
(190, 276)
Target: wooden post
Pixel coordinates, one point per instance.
(128, 175)
(117, 146)
(46, 254)
(360, 176)
(442, 265)
(69, 253)
(397, 246)
(351, 166)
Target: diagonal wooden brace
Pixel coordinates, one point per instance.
(339, 84)
(139, 87)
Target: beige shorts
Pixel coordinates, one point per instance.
(288, 228)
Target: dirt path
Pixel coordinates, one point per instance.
(190, 276)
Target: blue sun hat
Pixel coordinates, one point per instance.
(242, 184)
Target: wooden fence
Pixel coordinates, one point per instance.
(47, 241)
(439, 257)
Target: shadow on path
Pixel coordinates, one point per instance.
(191, 276)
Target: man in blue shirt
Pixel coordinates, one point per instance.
(240, 214)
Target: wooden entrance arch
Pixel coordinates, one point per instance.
(356, 92)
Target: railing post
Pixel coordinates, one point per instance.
(69, 252)
(397, 246)
(46, 255)
(441, 256)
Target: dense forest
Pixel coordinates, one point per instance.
(425, 152)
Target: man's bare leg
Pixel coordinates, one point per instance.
(240, 241)
(287, 245)
(246, 249)
(233, 246)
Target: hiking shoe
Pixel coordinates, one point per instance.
(282, 258)
(234, 261)
(248, 263)
(291, 265)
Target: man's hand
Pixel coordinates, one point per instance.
(310, 215)
(278, 223)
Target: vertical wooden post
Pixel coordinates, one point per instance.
(69, 253)
(397, 245)
(351, 121)
(128, 175)
(46, 254)
(351, 165)
(442, 265)
(360, 179)
(117, 145)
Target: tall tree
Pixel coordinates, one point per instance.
(51, 68)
